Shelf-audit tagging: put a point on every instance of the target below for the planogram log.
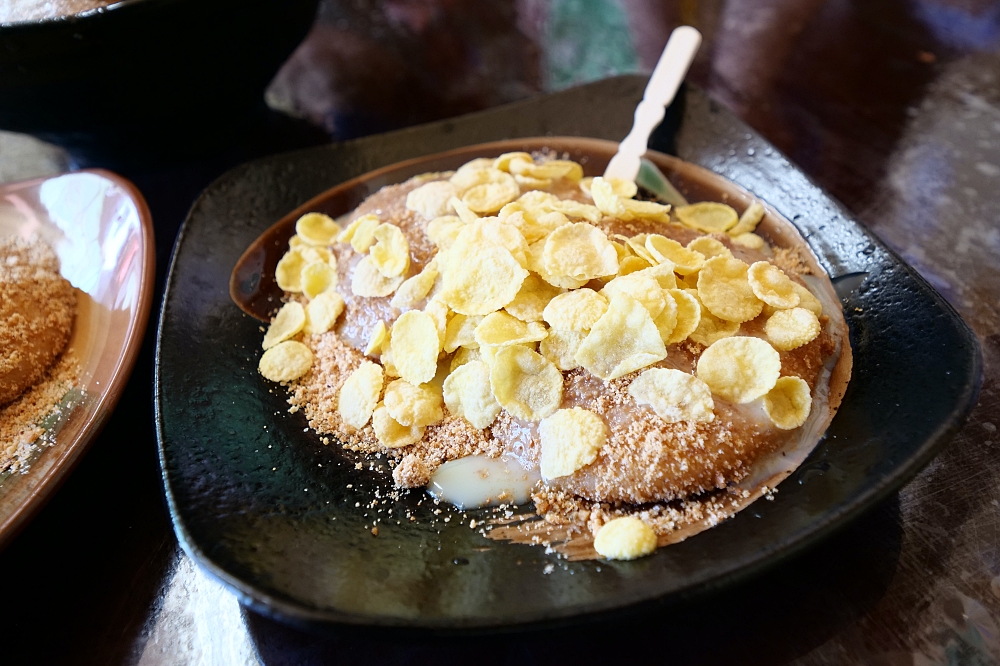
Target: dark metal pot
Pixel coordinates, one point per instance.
(161, 77)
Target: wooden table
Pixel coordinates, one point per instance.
(891, 106)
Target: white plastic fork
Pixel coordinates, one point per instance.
(660, 91)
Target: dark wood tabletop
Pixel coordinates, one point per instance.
(892, 106)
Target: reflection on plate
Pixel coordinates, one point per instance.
(285, 522)
(100, 228)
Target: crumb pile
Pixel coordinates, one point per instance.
(37, 308)
(643, 357)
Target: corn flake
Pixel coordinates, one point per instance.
(788, 404)
(675, 396)
(415, 289)
(708, 216)
(625, 538)
(749, 220)
(291, 319)
(575, 310)
(444, 230)
(530, 183)
(606, 199)
(317, 229)
(288, 272)
(440, 314)
(752, 241)
(322, 312)
(666, 321)
(771, 285)
(623, 339)
(739, 369)
(359, 394)
(491, 197)
(465, 355)
(646, 210)
(807, 300)
(525, 383)
(378, 336)
(709, 247)
(500, 329)
(625, 189)
(390, 432)
(461, 332)
(724, 288)
(367, 281)
(632, 264)
(710, 328)
(496, 231)
(480, 279)
(530, 302)
(688, 316)
(580, 251)
(467, 178)
(503, 162)
(463, 211)
(560, 348)
(391, 252)
(360, 233)
(413, 405)
(790, 329)
(415, 346)
(663, 249)
(317, 277)
(571, 440)
(468, 394)
(642, 288)
(433, 199)
(285, 361)
(663, 273)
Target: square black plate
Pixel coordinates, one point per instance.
(266, 508)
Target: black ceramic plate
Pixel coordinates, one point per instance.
(266, 508)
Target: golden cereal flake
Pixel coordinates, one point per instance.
(367, 281)
(632, 264)
(561, 346)
(625, 538)
(751, 241)
(322, 312)
(491, 197)
(623, 339)
(444, 230)
(688, 316)
(415, 346)
(571, 439)
(626, 189)
(461, 332)
(415, 289)
(807, 300)
(646, 210)
(285, 361)
(317, 229)
(710, 328)
(432, 199)
(413, 405)
(288, 272)
(662, 249)
(440, 313)
(675, 396)
(525, 383)
(467, 393)
(499, 329)
(740, 369)
(480, 279)
(663, 273)
(580, 251)
(749, 220)
(462, 356)
(788, 404)
(496, 231)
(317, 277)
(709, 247)
(535, 294)
(576, 310)
(359, 233)
(666, 321)
(467, 178)
(503, 162)
(724, 288)
(391, 251)
(606, 199)
(390, 432)
(642, 288)
(359, 394)
(708, 216)
(771, 285)
(790, 329)
(291, 319)
(379, 334)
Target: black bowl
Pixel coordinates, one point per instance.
(146, 76)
